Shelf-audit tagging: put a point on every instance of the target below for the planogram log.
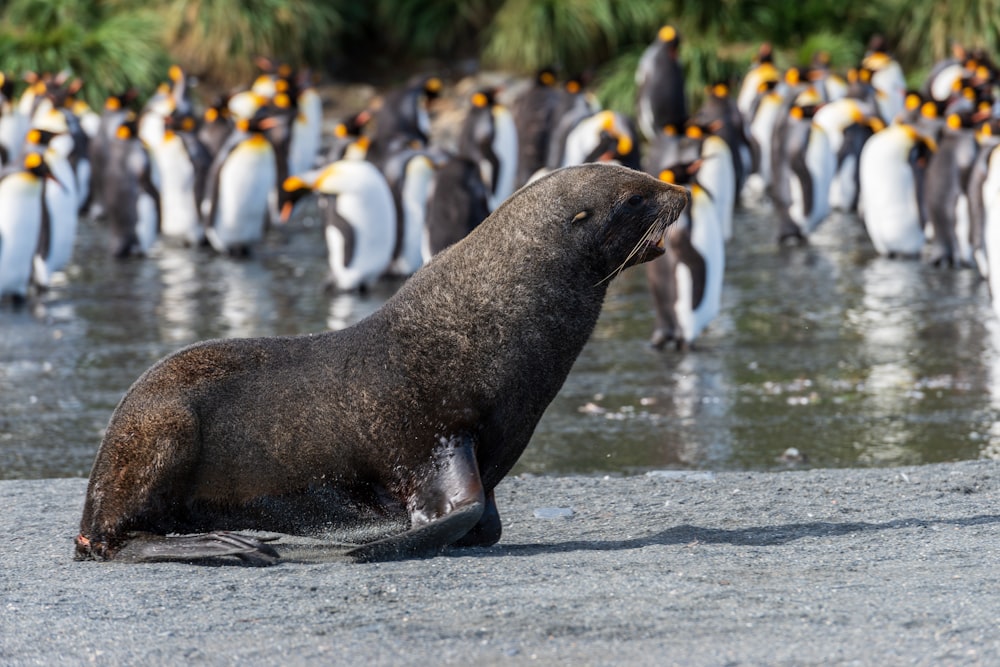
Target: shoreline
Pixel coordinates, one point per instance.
(873, 566)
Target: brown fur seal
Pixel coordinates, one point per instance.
(403, 423)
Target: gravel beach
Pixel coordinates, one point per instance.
(855, 566)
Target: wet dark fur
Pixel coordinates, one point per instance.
(412, 415)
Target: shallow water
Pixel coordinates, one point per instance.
(852, 359)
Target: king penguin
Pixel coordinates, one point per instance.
(535, 119)
(945, 182)
(802, 169)
(890, 170)
(848, 124)
(130, 195)
(403, 120)
(456, 204)
(360, 220)
(659, 79)
(183, 163)
(21, 222)
(489, 138)
(61, 200)
(686, 282)
(409, 174)
(237, 203)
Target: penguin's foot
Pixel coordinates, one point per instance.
(942, 257)
(660, 338)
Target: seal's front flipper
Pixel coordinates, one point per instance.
(147, 547)
(425, 540)
(447, 503)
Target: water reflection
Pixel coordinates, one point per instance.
(849, 357)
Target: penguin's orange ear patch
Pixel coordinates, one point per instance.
(32, 160)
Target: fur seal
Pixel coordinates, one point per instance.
(409, 418)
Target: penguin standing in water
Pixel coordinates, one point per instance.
(686, 282)
(715, 171)
(886, 77)
(409, 174)
(346, 136)
(535, 118)
(359, 216)
(22, 216)
(602, 137)
(988, 257)
(307, 126)
(766, 108)
(130, 193)
(216, 125)
(720, 115)
(403, 120)
(456, 203)
(489, 138)
(115, 111)
(55, 246)
(659, 78)
(760, 77)
(848, 125)
(237, 203)
(891, 173)
(987, 138)
(183, 163)
(802, 169)
(945, 184)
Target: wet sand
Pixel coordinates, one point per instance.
(856, 566)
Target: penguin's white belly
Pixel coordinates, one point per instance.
(718, 175)
(505, 148)
(372, 217)
(889, 201)
(416, 187)
(245, 183)
(20, 227)
(991, 243)
(684, 305)
(843, 187)
(963, 230)
(180, 210)
(707, 239)
(820, 162)
(63, 203)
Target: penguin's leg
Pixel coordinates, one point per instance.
(448, 503)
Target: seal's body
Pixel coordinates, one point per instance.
(413, 415)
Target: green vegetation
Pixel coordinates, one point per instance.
(114, 43)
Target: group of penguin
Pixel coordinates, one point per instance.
(918, 168)
(391, 190)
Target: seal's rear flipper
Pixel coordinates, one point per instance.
(425, 540)
(147, 547)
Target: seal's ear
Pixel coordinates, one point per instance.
(581, 216)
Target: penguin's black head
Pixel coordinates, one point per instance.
(37, 137)
(180, 121)
(34, 163)
(682, 173)
(293, 189)
(484, 98)
(546, 76)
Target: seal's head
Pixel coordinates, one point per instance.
(612, 217)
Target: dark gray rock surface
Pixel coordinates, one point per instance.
(863, 566)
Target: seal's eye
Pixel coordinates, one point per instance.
(635, 201)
